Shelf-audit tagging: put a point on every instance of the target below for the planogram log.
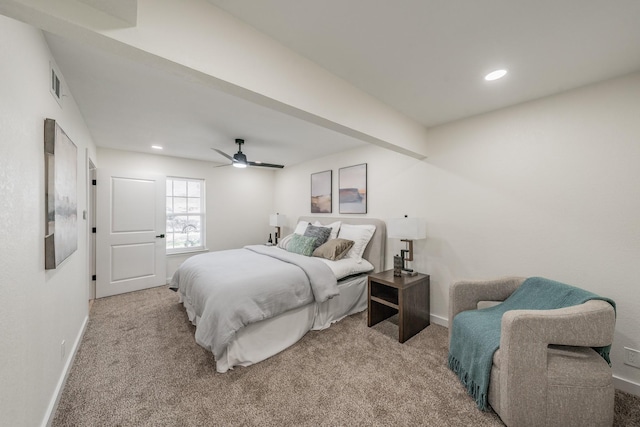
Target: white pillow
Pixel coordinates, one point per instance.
(360, 234)
(284, 242)
(301, 228)
(335, 227)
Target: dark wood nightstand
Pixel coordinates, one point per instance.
(405, 295)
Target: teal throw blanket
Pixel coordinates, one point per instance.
(475, 334)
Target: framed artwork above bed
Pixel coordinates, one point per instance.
(353, 189)
(321, 186)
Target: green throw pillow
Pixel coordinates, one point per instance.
(302, 245)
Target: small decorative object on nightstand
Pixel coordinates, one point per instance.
(277, 221)
(397, 266)
(408, 296)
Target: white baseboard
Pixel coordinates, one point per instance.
(626, 385)
(438, 320)
(55, 399)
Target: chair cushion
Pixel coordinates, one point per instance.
(571, 373)
(580, 388)
(577, 366)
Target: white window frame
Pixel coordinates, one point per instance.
(201, 214)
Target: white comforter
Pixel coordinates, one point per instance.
(227, 290)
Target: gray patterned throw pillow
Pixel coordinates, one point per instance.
(320, 233)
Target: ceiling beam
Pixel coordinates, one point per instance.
(126, 10)
(199, 41)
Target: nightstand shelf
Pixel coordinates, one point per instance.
(384, 294)
(385, 302)
(407, 296)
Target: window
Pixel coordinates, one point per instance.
(185, 215)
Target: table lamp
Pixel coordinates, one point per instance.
(407, 230)
(276, 220)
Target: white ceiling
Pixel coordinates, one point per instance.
(425, 58)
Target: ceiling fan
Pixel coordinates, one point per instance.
(239, 159)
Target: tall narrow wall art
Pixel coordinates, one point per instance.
(61, 207)
(321, 192)
(353, 189)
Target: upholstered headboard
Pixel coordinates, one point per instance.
(375, 251)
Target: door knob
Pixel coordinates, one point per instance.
(161, 236)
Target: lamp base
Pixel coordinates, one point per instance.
(409, 273)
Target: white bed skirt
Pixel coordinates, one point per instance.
(261, 340)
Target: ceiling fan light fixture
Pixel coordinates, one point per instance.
(240, 160)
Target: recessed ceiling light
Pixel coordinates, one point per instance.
(156, 147)
(495, 75)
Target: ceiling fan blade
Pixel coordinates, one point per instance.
(265, 165)
(223, 153)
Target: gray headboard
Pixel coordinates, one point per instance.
(375, 251)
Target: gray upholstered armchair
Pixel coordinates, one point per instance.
(545, 373)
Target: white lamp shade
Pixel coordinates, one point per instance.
(277, 220)
(407, 228)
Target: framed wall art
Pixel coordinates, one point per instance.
(353, 189)
(321, 189)
(61, 207)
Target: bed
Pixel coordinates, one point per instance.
(251, 303)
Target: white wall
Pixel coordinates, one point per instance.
(40, 308)
(238, 201)
(548, 188)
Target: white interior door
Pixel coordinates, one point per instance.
(130, 221)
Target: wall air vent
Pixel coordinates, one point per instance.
(56, 85)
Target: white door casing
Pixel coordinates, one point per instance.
(91, 220)
(130, 219)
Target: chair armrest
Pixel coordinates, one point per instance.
(590, 324)
(465, 294)
(525, 337)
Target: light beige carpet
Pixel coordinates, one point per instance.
(139, 365)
